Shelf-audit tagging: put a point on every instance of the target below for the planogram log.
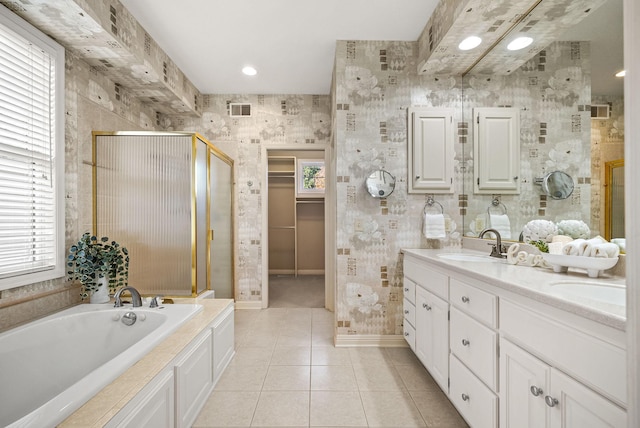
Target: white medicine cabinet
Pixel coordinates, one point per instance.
(496, 150)
(431, 150)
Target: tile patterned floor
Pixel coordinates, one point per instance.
(286, 372)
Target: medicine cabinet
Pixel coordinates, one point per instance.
(431, 151)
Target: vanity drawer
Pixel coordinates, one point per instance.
(409, 335)
(475, 402)
(435, 282)
(409, 290)
(409, 311)
(600, 365)
(477, 303)
(476, 346)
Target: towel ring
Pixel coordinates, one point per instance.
(496, 203)
(430, 203)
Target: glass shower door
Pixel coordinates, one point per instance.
(221, 278)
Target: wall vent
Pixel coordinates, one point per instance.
(239, 110)
(600, 111)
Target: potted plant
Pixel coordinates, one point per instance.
(100, 266)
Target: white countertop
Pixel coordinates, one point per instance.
(538, 284)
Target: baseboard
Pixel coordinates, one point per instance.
(371, 340)
(248, 304)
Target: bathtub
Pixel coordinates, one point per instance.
(50, 367)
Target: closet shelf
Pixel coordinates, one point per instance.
(282, 227)
(310, 201)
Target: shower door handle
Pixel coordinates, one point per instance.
(211, 235)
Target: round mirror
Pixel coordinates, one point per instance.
(557, 185)
(380, 184)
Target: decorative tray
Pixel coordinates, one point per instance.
(593, 265)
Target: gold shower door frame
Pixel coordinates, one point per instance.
(195, 236)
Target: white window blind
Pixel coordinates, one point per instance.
(31, 156)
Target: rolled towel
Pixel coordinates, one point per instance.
(501, 223)
(574, 248)
(608, 250)
(433, 226)
(590, 243)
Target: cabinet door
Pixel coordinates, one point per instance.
(432, 335)
(573, 405)
(223, 344)
(496, 150)
(430, 150)
(524, 382)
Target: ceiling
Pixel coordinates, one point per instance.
(290, 42)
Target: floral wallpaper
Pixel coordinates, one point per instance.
(374, 84)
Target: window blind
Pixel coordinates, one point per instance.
(29, 215)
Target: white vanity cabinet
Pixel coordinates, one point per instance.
(513, 361)
(431, 343)
(543, 390)
(430, 151)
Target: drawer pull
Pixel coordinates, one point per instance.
(465, 397)
(536, 391)
(465, 342)
(406, 333)
(551, 402)
(427, 307)
(465, 299)
(406, 311)
(406, 289)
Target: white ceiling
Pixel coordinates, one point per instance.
(290, 42)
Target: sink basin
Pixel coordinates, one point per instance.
(614, 294)
(464, 257)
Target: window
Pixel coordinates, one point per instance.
(32, 247)
(310, 178)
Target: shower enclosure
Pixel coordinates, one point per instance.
(168, 198)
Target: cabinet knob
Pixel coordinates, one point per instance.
(551, 402)
(465, 299)
(465, 397)
(535, 390)
(406, 289)
(417, 177)
(406, 333)
(427, 307)
(406, 311)
(465, 342)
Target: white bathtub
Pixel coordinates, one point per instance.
(50, 367)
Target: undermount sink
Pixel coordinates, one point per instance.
(464, 257)
(603, 292)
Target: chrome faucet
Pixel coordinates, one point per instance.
(136, 300)
(497, 249)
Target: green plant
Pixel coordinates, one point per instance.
(541, 245)
(90, 259)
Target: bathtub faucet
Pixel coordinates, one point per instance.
(136, 300)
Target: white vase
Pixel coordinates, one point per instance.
(101, 295)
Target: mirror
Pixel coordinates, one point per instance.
(553, 92)
(380, 184)
(557, 185)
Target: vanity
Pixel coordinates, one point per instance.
(518, 346)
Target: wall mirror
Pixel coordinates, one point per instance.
(380, 184)
(553, 91)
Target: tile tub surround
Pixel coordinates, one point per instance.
(286, 372)
(534, 283)
(104, 405)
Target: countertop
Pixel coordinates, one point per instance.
(537, 283)
(103, 406)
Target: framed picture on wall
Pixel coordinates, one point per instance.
(310, 178)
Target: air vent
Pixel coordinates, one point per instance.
(600, 111)
(239, 110)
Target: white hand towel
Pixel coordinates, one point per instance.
(574, 248)
(608, 250)
(501, 223)
(590, 243)
(433, 226)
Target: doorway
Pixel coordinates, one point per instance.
(295, 229)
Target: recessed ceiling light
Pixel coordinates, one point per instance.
(249, 71)
(469, 43)
(519, 43)
(621, 73)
